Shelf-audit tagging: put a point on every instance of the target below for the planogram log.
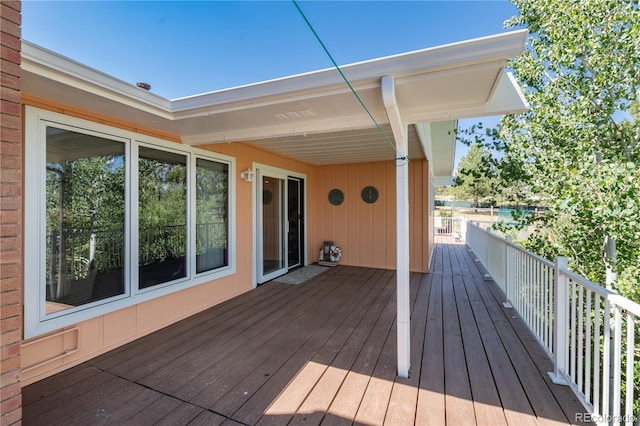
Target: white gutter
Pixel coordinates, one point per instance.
(45, 63)
(402, 223)
(454, 55)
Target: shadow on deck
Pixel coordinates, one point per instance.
(324, 352)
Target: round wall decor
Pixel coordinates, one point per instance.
(369, 194)
(336, 197)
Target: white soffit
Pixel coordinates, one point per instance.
(314, 110)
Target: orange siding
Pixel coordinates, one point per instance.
(103, 333)
(365, 232)
(420, 214)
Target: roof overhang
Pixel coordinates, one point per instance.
(313, 117)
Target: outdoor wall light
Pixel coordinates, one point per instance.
(247, 175)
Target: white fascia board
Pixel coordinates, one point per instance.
(509, 86)
(469, 52)
(450, 127)
(443, 180)
(279, 98)
(430, 133)
(52, 66)
(423, 130)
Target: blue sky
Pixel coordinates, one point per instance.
(185, 48)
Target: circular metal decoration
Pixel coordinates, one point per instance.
(336, 197)
(369, 194)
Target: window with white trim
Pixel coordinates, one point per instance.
(84, 218)
(116, 218)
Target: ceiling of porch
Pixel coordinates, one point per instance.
(312, 117)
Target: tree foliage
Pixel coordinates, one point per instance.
(577, 147)
(475, 179)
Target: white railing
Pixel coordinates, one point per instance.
(446, 225)
(590, 332)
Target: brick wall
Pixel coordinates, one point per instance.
(10, 213)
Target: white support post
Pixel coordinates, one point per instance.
(400, 132)
(560, 323)
(402, 217)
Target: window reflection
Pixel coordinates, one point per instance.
(212, 212)
(162, 216)
(85, 210)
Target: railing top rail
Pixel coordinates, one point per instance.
(513, 245)
(626, 304)
(585, 282)
(613, 296)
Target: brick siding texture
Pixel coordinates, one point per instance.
(11, 187)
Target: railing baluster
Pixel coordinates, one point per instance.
(606, 355)
(617, 359)
(507, 271)
(580, 336)
(532, 292)
(550, 279)
(588, 316)
(529, 291)
(630, 368)
(539, 304)
(561, 325)
(572, 320)
(596, 359)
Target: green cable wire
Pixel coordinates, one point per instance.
(347, 81)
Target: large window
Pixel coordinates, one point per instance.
(115, 218)
(212, 215)
(85, 213)
(162, 216)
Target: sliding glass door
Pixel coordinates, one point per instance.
(273, 227)
(280, 218)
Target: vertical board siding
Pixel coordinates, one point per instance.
(385, 234)
(366, 233)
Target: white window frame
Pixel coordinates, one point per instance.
(36, 321)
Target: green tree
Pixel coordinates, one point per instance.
(475, 178)
(577, 146)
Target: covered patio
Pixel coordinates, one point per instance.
(324, 352)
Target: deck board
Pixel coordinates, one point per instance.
(486, 401)
(324, 352)
(458, 397)
(431, 392)
(248, 345)
(320, 398)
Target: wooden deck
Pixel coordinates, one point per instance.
(323, 352)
